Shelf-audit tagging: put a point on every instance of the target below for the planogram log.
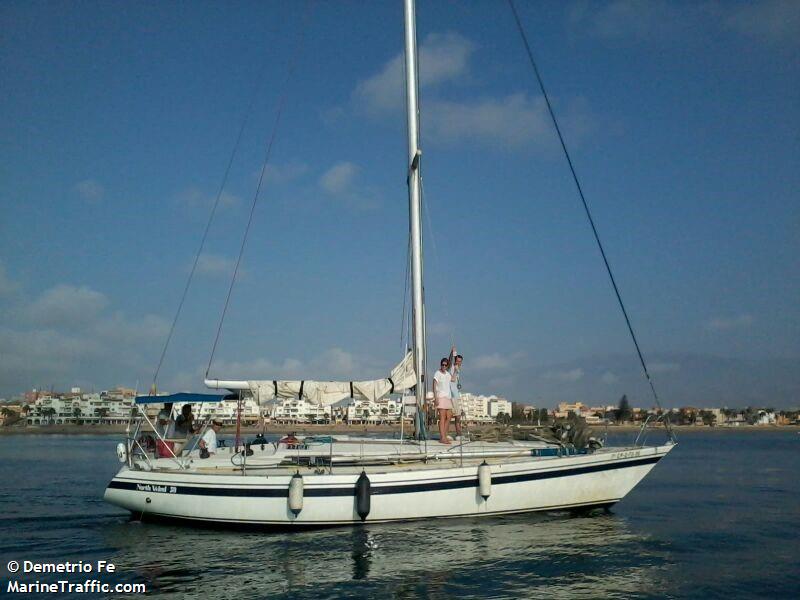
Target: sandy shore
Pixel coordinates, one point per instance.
(347, 429)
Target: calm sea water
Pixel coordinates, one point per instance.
(719, 517)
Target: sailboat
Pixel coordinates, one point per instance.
(342, 480)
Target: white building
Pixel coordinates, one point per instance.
(294, 410)
(226, 411)
(499, 405)
(480, 408)
(475, 407)
(111, 407)
(385, 410)
(766, 418)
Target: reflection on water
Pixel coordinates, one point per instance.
(564, 556)
(718, 517)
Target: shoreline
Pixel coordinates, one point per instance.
(351, 429)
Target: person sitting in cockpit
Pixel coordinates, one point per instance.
(208, 443)
(184, 424)
(164, 422)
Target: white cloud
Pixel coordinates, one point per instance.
(41, 352)
(609, 378)
(194, 198)
(214, 264)
(514, 120)
(333, 364)
(289, 368)
(66, 306)
(728, 323)
(337, 363)
(569, 375)
(511, 120)
(501, 385)
(90, 190)
(339, 178)
(68, 334)
(491, 362)
(495, 361)
(118, 326)
(442, 57)
(339, 181)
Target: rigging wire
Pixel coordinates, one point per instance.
(268, 152)
(586, 208)
(223, 184)
(430, 235)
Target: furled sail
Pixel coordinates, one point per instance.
(325, 393)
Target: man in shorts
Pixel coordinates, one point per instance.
(455, 387)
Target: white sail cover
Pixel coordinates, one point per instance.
(325, 393)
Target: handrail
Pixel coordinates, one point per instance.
(160, 437)
(655, 419)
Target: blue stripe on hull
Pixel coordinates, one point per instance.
(283, 491)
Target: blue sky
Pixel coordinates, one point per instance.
(683, 120)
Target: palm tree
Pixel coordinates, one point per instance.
(709, 418)
(101, 413)
(76, 412)
(9, 416)
(48, 413)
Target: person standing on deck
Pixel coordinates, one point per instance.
(455, 387)
(444, 403)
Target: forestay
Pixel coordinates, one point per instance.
(325, 393)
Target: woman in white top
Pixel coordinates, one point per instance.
(444, 402)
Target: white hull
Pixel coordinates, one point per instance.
(398, 492)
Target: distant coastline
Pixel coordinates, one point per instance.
(349, 429)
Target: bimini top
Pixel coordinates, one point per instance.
(182, 398)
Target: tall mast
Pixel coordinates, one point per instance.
(415, 229)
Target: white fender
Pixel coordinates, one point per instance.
(485, 480)
(122, 452)
(296, 494)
